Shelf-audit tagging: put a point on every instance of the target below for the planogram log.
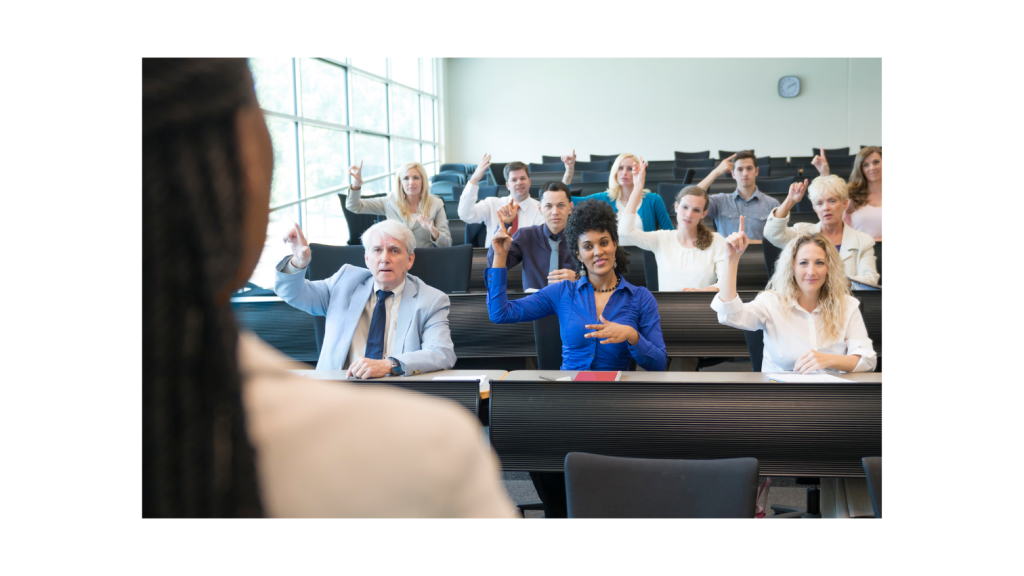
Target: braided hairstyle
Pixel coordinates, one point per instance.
(196, 457)
(594, 215)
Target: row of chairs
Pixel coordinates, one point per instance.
(706, 154)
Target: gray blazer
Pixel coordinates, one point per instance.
(387, 207)
(423, 341)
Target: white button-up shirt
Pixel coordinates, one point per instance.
(486, 211)
(791, 332)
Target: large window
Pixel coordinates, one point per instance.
(327, 114)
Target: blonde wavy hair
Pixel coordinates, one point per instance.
(830, 185)
(858, 183)
(614, 190)
(835, 289)
(398, 195)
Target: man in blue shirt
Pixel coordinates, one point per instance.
(542, 249)
(746, 200)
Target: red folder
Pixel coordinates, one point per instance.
(587, 376)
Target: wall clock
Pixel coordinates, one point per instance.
(789, 86)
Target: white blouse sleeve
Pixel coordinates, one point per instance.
(721, 255)
(857, 340)
(750, 316)
(629, 231)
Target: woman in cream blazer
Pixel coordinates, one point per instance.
(409, 202)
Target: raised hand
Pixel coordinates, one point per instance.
(561, 274)
(569, 160)
(299, 247)
(611, 332)
(796, 192)
(508, 212)
(501, 241)
(364, 368)
(356, 172)
(726, 165)
(737, 242)
(428, 224)
(481, 169)
(820, 163)
(812, 361)
(639, 174)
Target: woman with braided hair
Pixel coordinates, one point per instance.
(227, 430)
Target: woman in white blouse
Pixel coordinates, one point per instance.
(409, 202)
(830, 197)
(811, 323)
(691, 258)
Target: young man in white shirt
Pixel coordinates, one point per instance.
(518, 209)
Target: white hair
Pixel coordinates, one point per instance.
(392, 228)
(830, 185)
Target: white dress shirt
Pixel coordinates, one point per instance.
(791, 333)
(362, 333)
(678, 267)
(486, 211)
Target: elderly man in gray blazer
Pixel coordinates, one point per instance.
(380, 321)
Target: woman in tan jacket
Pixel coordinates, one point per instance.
(409, 202)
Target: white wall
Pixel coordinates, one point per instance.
(519, 109)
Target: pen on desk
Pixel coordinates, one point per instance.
(546, 378)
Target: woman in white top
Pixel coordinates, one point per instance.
(829, 196)
(409, 202)
(691, 258)
(865, 210)
(811, 323)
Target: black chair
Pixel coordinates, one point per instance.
(548, 338)
(668, 192)
(476, 235)
(651, 270)
(599, 166)
(808, 215)
(446, 269)
(459, 179)
(551, 159)
(800, 160)
(324, 262)
(775, 185)
(693, 155)
(457, 228)
(780, 162)
(764, 161)
(659, 165)
(497, 170)
(684, 174)
(460, 168)
(702, 163)
(594, 177)
(771, 256)
(614, 487)
(878, 261)
(755, 347)
(695, 175)
(600, 157)
(551, 167)
(357, 223)
(873, 473)
(764, 170)
(785, 171)
(832, 151)
(723, 154)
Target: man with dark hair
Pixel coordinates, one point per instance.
(746, 201)
(518, 210)
(542, 249)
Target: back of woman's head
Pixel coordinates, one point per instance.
(834, 290)
(594, 216)
(197, 460)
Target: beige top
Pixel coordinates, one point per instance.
(333, 449)
(386, 206)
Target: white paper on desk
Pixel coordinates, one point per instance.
(485, 384)
(808, 379)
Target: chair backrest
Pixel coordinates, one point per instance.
(764, 170)
(659, 165)
(498, 171)
(808, 216)
(551, 159)
(771, 256)
(800, 160)
(449, 177)
(325, 260)
(614, 487)
(444, 190)
(755, 347)
(779, 162)
(549, 167)
(779, 185)
(833, 151)
(481, 193)
(599, 157)
(457, 228)
(357, 223)
(764, 161)
(668, 193)
(547, 334)
(451, 209)
(587, 177)
(697, 175)
(651, 270)
(460, 168)
(600, 166)
(701, 163)
(878, 261)
(446, 269)
(873, 473)
(693, 155)
(476, 234)
(682, 173)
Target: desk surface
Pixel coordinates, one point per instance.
(695, 377)
(456, 374)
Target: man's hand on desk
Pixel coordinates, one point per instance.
(364, 368)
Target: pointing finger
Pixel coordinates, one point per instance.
(742, 227)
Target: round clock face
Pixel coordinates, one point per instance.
(789, 86)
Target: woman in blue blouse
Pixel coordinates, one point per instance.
(605, 321)
(652, 212)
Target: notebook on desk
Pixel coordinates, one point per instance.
(591, 376)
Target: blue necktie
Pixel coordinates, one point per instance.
(375, 340)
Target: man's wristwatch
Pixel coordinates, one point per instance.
(396, 367)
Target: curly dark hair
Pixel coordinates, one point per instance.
(594, 215)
